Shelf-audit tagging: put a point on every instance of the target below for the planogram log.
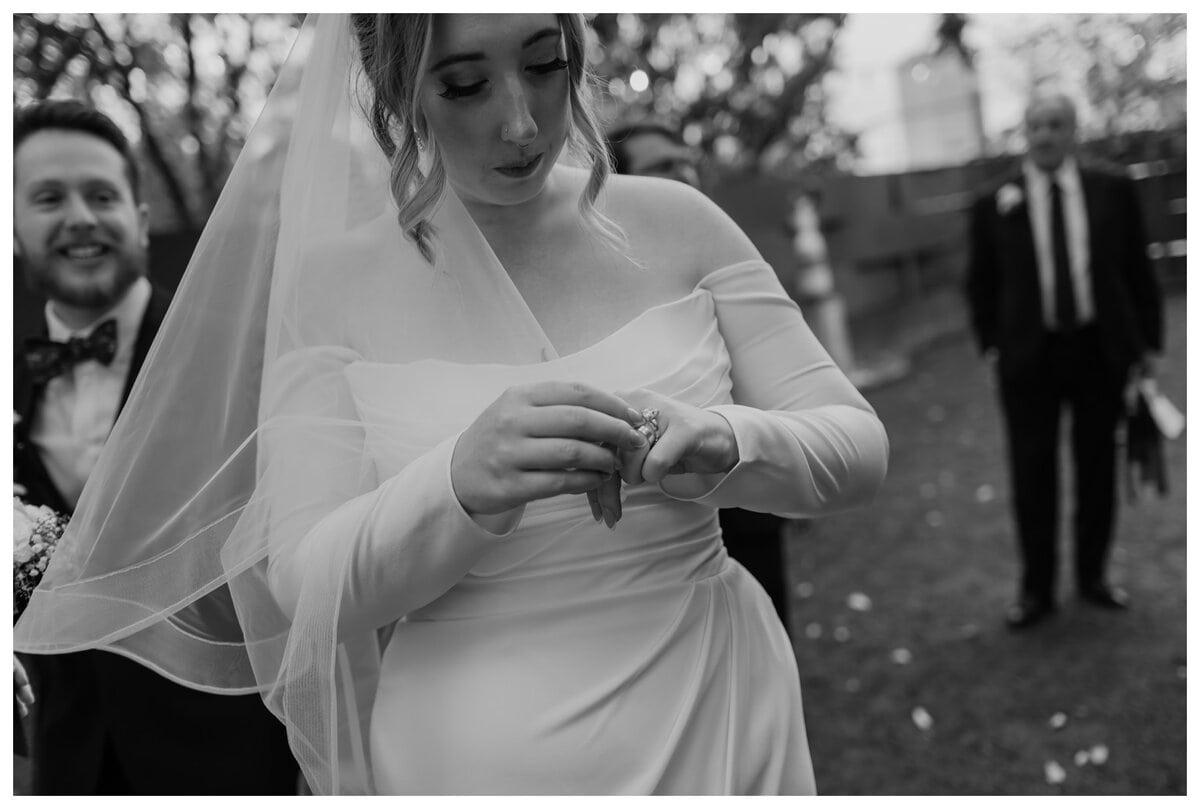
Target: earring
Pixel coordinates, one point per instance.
(420, 143)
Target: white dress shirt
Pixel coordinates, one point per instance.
(77, 409)
(1075, 218)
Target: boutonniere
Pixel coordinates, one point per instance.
(1008, 197)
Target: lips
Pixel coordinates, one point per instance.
(520, 169)
(83, 252)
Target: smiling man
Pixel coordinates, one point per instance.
(103, 724)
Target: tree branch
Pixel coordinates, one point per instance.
(153, 148)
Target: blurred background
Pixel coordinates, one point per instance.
(848, 146)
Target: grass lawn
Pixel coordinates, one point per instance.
(935, 558)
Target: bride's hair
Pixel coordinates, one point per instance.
(394, 49)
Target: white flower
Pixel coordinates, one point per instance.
(22, 532)
(1008, 197)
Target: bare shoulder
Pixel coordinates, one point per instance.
(672, 224)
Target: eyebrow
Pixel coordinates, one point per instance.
(478, 56)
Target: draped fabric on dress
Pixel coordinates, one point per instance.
(274, 508)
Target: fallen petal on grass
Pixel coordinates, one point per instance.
(1099, 753)
(803, 589)
(985, 493)
(1058, 721)
(901, 656)
(1082, 757)
(921, 718)
(860, 602)
(1055, 774)
(812, 631)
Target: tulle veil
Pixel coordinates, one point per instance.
(302, 272)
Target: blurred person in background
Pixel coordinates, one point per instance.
(1065, 306)
(652, 148)
(100, 723)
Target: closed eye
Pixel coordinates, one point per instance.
(553, 66)
(453, 91)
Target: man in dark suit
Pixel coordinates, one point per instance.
(1065, 304)
(103, 724)
(653, 149)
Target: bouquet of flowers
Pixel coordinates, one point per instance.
(36, 531)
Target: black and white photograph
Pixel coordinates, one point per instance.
(603, 404)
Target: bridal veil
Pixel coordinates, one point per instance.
(301, 272)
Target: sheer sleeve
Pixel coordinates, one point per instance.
(383, 546)
(808, 442)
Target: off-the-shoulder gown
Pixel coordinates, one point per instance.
(574, 659)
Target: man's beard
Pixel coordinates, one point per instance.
(90, 293)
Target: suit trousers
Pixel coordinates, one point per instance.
(756, 541)
(1071, 373)
(105, 725)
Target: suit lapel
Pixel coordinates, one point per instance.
(156, 310)
(1091, 208)
(27, 461)
(1020, 221)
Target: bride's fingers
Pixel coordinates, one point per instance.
(581, 423)
(593, 497)
(609, 496)
(564, 453)
(666, 455)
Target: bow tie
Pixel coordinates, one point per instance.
(47, 359)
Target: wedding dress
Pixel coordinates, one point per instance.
(570, 658)
(274, 512)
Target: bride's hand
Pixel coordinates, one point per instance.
(541, 440)
(690, 440)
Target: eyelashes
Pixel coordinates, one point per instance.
(553, 66)
(454, 91)
(457, 91)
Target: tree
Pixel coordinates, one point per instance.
(745, 87)
(185, 87)
(1129, 69)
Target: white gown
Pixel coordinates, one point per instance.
(568, 658)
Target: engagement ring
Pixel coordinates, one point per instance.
(649, 425)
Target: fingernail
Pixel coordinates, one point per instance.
(638, 441)
(634, 417)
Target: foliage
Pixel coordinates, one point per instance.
(185, 87)
(1130, 70)
(746, 88)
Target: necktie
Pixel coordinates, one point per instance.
(47, 359)
(1064, 289)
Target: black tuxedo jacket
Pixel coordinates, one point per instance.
(28, 469)
(1002, 276)
(103, 723)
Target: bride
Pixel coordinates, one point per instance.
(430, 449)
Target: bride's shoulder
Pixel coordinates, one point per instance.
(676, 219)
